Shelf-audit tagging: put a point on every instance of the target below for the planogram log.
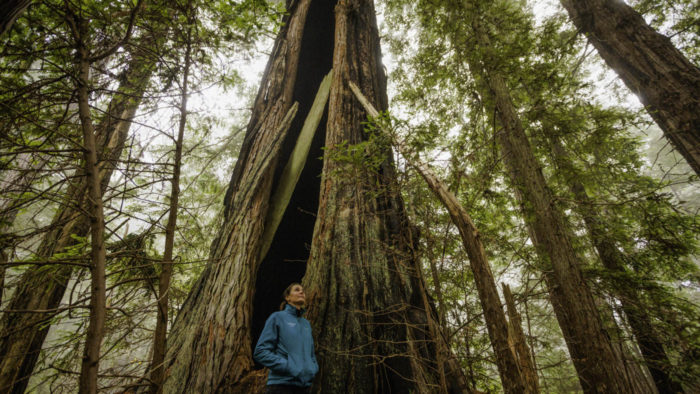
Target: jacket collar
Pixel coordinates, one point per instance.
(289, 308)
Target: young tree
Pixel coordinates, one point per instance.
(42, 286)
(667, 83)
(367, 297)
(159, 340)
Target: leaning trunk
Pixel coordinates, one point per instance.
(667, 83)
(42, 286)
(525, 356)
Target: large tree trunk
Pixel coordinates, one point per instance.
(630, 298)
(497, 326)
(365, 285)
(42, 286)
(366, 293)
(667, 83)
(599, 367)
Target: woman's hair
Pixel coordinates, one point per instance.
(286, 292)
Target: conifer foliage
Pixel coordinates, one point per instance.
(508, 202)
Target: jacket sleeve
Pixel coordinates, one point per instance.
(267, 345)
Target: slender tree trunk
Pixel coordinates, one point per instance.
(9, 13)
(667, 83)
(525, 356)
(508, 367)
(648, 340)
(599, 367)
(159, 342)
(42, 286)
(95, 330)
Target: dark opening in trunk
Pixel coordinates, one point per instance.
(285, 262)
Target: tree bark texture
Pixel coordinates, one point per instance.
(520, 347)
(363, 284)
(9, 13)
(497, 326)
(363, 281)
(665, 81)
(599, 367)
(650, 344)
(210, 343)
(42, 286)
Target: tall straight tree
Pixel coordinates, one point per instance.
(667, 83)
(42, 286)
(367, 296)
(600, 369)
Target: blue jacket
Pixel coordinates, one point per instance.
(287, 348)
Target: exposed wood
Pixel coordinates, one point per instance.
(665, 81)
(295, 165)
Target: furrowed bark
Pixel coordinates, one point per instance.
(650, 344)
(211, 340)
(95, 330)
(42, 286)
(159, 340)
(210, 343)
(508, 366)
(599, 367)
(363, 281)
(665, 81)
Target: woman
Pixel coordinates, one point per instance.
(286, 346)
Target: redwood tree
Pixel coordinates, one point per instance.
(368, 304)
(667, 83)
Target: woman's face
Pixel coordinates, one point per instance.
(296, 296)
